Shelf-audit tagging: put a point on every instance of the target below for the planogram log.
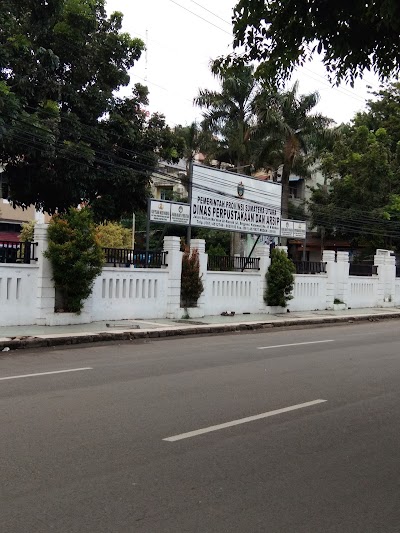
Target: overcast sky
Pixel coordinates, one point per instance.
(180, 46)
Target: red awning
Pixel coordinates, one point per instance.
(9, 236)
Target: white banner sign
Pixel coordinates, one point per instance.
(160, 211)
(234, 202)
(299, 230)
(287, 228)
(169, 212)
(180, 214)
(294, 229)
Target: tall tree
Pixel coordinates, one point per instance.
(229, 113)
(362, 200)
(65, 135)
(195, 139)
(351, 36)
(383, 111)
(289, 129)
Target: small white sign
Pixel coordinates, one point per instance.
(180, 214)
(160, 211)
(299, 230)
(287, 228)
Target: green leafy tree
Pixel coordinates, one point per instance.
(289, 132)
(195, 139)
(351, 36)
(229, 113)
(191, 282)
(66, 136)
(280, 279)
(383, 111)
(359, 201)
(76, 256)
(27, 232)
(217, 241)
(114, 235)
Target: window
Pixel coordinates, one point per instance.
(4, 193)
(166, 193)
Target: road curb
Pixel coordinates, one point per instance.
(46, 341)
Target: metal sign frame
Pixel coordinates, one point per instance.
(169, 202)
(149, 200)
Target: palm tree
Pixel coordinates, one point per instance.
(288, 131)
(193, 141)
(229, 113)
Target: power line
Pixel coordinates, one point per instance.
(365, 226)
(367, 221)
(200, 17)
(213, 180)
(342, 90)
(340, 226)
(212, 13)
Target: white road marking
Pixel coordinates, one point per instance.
(46, 373)
(242, 421)
(294, 344)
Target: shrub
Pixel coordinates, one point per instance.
(280, 279)
(75, 255)
(191, 282)
(27, 232)
(114, 235)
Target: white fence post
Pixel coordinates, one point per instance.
(262, 251)
(386, 289)
(282, 249)
(342, 277)
(328, 257)
(200, 245)
(45, 285)
(172, 245)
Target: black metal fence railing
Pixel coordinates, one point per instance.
(363, 269)
(138, 258)
(17, 252)
(229, 263)
(310, 267)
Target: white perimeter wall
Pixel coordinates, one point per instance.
(18, 294)
(231, 291)
(27, 294)
(120, 293)
(309, 292)
(362, 291)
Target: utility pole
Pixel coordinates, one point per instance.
(145, 54)
(190, 178)
(133, 230)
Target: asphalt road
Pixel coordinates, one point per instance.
(84, 451)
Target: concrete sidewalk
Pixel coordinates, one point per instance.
(124, 330)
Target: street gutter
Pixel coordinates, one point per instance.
(42, 341)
